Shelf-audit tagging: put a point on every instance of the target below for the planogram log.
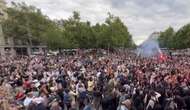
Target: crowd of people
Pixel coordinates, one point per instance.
(91, 81)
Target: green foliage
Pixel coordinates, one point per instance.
(166, 37)
(177, 40)
(112, 33)
(182, 38)
(28, 24)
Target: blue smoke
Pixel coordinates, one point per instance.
(150, 47)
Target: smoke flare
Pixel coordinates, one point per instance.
(150, 47)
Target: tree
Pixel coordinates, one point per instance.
(115, 33)
(177, 40)
(182, 38)
(26, 23)
(166, 37)
(29, 25)
(53, 37)
(76, 16)
(79, 34)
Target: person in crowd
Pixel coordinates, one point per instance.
(114, 81)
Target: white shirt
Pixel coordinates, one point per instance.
(27, 101)
(38, 100)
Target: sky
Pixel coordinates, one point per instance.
(142, 17)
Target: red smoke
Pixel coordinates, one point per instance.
(162, 57)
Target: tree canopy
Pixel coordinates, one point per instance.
(182, 37)
(177, 40)
(166, 37)
(29, 25)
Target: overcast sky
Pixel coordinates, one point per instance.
(141, 16)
